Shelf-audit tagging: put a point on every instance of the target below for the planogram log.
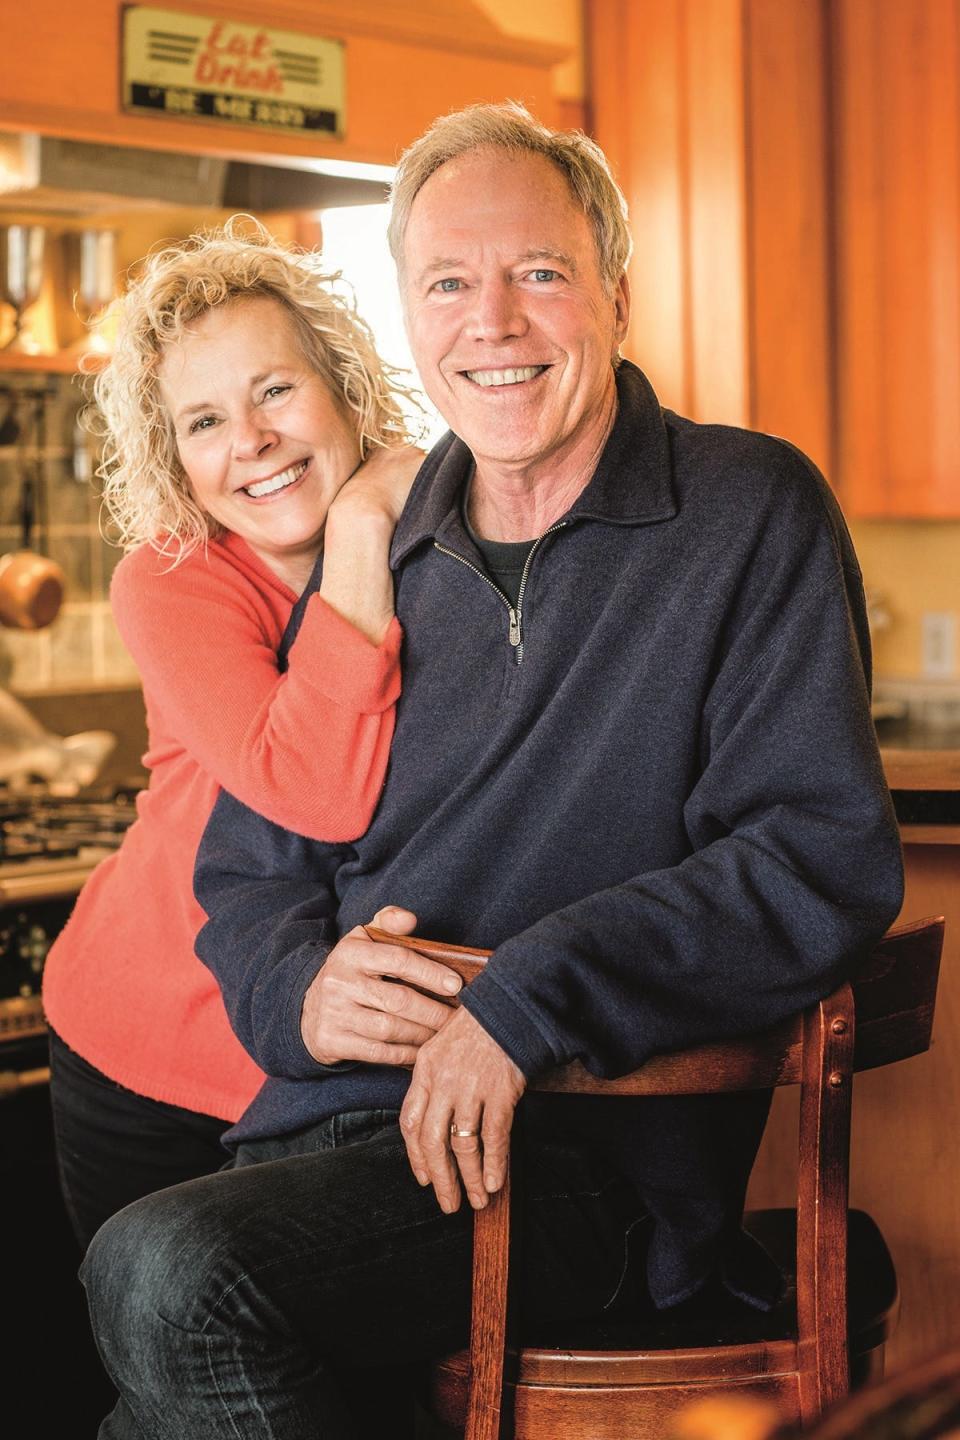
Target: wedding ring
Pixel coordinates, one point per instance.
(455, 1129)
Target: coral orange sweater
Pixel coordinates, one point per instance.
(122, 985)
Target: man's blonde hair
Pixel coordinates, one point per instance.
(145, 490)
(511, 127)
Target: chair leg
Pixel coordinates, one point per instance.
(488, 1321)
(825, 1098)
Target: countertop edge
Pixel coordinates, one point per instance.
(918, 769)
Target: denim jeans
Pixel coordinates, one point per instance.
(242, 1304)
(114, 1145)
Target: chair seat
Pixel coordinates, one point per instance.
(716, 1342)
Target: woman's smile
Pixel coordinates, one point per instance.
(260, 489)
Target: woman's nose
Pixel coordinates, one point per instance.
(251, 436)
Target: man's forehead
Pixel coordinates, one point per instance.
(522, 202)
(485, 174)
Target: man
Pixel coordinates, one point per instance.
(633, 756)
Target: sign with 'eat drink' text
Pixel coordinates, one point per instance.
(192, 67)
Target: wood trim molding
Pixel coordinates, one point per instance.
(431, 24)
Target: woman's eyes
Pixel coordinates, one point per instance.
(207, 422)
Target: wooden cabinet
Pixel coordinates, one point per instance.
(793, 174)
(714, 118)
(896, 143)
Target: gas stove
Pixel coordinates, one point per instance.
(49, 845)
(46, 835)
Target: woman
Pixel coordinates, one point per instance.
(241, 397)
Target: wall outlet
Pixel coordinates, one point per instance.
(938, 644)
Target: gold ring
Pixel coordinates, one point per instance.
(462, 1134)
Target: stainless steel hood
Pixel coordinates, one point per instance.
(41, 172)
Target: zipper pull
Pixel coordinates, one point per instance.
(514, 627)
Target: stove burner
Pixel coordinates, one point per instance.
(43, 826)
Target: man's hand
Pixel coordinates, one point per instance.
(352, 1012)
(462, 1082)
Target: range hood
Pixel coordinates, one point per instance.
(41, 172)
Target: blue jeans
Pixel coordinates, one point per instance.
(242, 1304)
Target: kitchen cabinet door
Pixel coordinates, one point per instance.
(895, 68)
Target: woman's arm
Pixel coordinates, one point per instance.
(308, 748)
(356, 540)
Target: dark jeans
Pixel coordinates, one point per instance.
(114, 1146)
(240, 1305)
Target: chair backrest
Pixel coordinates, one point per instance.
(893, 993)
(882, 1014)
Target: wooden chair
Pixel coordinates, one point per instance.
(626, 1383)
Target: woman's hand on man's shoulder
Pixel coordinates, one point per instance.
(379, 488)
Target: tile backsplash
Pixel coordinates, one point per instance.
(45, 507)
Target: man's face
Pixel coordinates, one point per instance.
(509, 322)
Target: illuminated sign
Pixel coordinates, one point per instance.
(195, 68)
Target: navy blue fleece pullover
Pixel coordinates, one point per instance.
(664, 810)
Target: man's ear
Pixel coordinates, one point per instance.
(621, 307)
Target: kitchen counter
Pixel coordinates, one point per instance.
(920, 757)
(922, 766)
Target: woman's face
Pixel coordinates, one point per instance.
(264, 445)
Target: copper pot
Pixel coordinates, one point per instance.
(31, 590)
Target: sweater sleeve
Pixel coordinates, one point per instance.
(202, 640)
(272, 906)
(794, 868)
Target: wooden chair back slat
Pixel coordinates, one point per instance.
(894, 991)
(759, 1062)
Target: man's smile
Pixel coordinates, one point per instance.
(516, 376)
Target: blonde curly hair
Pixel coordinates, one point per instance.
(145, 490)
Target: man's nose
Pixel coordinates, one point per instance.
(251, 436)
(497, 312)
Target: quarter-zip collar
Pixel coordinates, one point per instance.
(637, 447)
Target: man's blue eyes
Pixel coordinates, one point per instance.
(543, 277)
